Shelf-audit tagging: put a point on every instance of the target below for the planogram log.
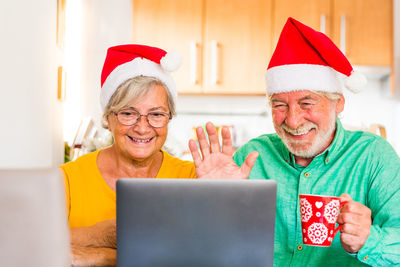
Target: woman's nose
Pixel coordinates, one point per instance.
(142, 125)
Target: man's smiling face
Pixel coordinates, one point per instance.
(305, 121)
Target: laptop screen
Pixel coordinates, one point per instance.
(193, 222)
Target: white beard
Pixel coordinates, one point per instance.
(319, 144)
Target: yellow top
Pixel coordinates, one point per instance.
(89, 198)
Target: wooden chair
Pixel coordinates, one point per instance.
(378, 129)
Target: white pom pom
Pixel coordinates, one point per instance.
(171, 61)
(356, 82)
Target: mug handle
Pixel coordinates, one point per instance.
(340, 225)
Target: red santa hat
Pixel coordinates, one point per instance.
(128, 61)
(305, 59)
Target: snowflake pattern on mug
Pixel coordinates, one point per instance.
(317, 232)
(332, 210)
(305, 210)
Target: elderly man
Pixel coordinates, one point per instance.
(311, 153)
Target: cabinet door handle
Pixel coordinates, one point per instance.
(214, 63)
(322, 23)
(343, 34)
(194, 73)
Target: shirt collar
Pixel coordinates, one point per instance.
(332, 151)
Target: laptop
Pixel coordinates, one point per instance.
(33, 226)
(195, 222)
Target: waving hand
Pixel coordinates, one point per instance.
(216, 162)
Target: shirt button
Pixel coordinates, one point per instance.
(287, 161)
(366, 258)
(300, 247)
(307, 174)
(327, 160)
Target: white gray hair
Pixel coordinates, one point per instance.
(330, 96)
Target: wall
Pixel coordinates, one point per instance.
(105, 23)
(31, 124)
(248, 117)
(375, 105)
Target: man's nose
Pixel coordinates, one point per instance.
(294, 117)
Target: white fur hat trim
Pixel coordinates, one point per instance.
(171, 61)
(356, 82)
(297, 77)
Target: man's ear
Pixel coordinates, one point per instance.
(340, 104)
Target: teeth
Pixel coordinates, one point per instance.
(299, 133)
(304, 129)
(140, 140)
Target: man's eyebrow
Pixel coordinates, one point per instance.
(273, 100)
(307, 97)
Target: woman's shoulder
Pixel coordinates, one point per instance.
(83, 162)
(173, 167)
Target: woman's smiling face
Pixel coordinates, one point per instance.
(141, 141)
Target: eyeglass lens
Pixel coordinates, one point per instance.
(155, 119)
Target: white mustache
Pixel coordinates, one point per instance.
(302, 129)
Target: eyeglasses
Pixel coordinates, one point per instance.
(156, 119)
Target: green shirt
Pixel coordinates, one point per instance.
(358, 163)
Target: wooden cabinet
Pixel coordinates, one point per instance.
(226, 44)
(237, 45)
(313, 13)
(362, 29)
(173, 25)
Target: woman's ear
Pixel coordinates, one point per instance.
(340, 104)
(107, 118)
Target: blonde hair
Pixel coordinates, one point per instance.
(134, 88)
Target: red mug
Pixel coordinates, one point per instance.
(318, 219)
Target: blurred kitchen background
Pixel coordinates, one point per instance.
(52, 52)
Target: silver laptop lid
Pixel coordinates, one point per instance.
(192, 222)
(33, 225)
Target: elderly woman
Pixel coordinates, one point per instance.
(138, 100)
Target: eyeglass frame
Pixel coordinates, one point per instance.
(143, 115)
